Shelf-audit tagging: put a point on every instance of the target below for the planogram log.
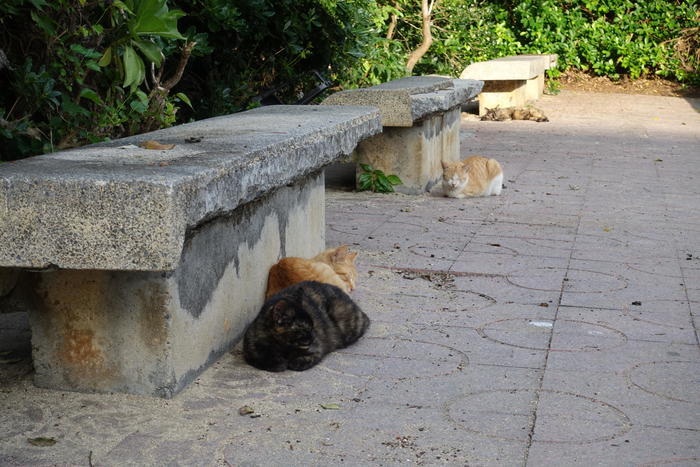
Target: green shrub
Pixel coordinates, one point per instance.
(76, 70)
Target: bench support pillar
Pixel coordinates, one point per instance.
(151, 333)
(502, 94)
(414, 153)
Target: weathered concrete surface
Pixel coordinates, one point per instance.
(152, 333)
(404, 101)
(420, 116)
(414, 154)
(463, 364)
(110, 208)
(510, 81)
(520, 67)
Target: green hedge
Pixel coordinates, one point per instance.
(79, 71)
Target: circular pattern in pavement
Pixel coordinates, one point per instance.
(396, 359)
(549, 279)
(673, 380)
(562, 417)
(535, 334)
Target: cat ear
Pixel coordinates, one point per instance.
(445, 165)
(339, 253)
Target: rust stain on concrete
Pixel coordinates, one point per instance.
(154, 319)
(73, 305)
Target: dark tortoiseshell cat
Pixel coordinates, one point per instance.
(299, 325)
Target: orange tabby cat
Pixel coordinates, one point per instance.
(474, 176)
(334, 266)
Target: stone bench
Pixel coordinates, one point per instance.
(510, 81)
(141, 267)
(420, 120)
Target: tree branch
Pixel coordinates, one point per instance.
(417, 54)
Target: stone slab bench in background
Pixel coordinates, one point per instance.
(420, 118)
(141, 267)
(510, 81)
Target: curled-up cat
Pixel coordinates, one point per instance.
(335, 266)
(474, 176)
(514, 113)
(300, 325)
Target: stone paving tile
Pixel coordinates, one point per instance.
(504, 329)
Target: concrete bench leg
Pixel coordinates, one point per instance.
(502, 93)
(414, 153)
(152, 333)
(534, 88)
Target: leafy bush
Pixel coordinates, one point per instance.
(251, 47)
(76, 72)
(376, 180)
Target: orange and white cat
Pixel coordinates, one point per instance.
(474, 176)
(335, 266)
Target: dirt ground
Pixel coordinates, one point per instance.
(575, 80)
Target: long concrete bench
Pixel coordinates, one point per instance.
(420, 119)
(141, 267)
(510, 81)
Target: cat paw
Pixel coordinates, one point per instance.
(301, 364)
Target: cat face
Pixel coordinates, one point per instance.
(291, 325)
(343, 263)
(454, 176)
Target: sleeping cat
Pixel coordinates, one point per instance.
(334, 266)
(298, 326)
(514, 113)
(474, 176)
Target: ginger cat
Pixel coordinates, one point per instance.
(335, 266)
(474, 176)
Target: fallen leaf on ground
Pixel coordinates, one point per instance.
(193, 139)
(545, 305)
(607, 229)
(245, 410)
(494, 244)
(156, 145)
(43, 442)
(574, 187)
(658, 160)
(637, 303)
(330, 406)
(10, 361)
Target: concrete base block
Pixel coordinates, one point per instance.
(534, 88)
(415, 153)
(505, 93)
(151, 333)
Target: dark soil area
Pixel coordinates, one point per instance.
(575, 80)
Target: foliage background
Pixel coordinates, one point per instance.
(78, 71)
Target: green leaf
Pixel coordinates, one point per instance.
(394, 180)
(131, 67)
(383, 185)
(44, 22)
(150, 50)
(90, 53)
(330, 406)
(184, 99)
(42, 442)
(365, 182)
(89, 94)
(122, 6)
(106, 58)
(366, 167)
(153, 18)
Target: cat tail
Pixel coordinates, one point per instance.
(493, 168)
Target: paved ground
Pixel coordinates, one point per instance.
(556, 324)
